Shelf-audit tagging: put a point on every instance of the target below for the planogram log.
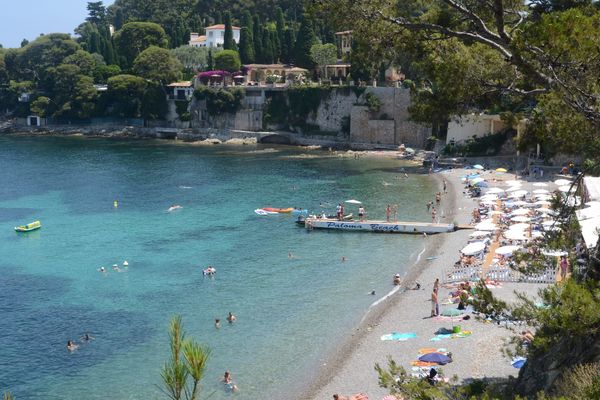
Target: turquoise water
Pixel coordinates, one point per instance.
(290, 311)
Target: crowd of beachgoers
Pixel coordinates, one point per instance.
(430, 329)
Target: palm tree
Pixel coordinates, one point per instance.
(182, 374)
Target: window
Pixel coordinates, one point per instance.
(210, 33)
(222, 33)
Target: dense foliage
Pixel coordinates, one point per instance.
(220, 100)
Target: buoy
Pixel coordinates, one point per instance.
(125, 263)
(116, 204)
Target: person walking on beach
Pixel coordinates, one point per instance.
(435, 306)
(436, 284)
(444, 184)
(564, 268)
(388, 213)
(438, 198)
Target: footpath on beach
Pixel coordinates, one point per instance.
(402, 327)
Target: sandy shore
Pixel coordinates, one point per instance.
(351, 369)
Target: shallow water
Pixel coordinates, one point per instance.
(290, 311)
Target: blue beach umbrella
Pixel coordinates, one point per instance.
(478, 166)
(437, 358)
(518, 362)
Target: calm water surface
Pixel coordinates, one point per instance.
(290, 311)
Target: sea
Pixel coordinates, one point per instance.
(294, 298)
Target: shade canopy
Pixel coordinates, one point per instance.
(478, 166)
(515, 235)
(473, 248)
(501, 170)
(520, 218)
(540, 184)
(519, 227)
(437, 358)
(554, 253)
(480, 234)
(541, 191)
(495, 190)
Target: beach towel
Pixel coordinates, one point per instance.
(399, 336)
(422, 364)
(425, 350)
(461, 334)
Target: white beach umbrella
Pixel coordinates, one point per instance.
(518, 194)
(542, 203)
(520, 218)
(353, 201)
(514, 183)
(551, 223)
(521, 226)
(519, 203)
(486, 226)
(537, 234)
(541, 191)
(540, 184)
(477, 180)
(546, 211)
(515, 235)
(542, 196)
(494, 190)
(565, 188)
(561, 182)
(554, 253)
(473, 248)
(513, 189)
(506, 250)
(480, 234)
(520, 211)
(593, 204)
(490, 196)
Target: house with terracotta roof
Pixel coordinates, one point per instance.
(214, 36)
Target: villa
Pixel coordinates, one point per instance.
(214, 36)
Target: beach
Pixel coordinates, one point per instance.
(351, 369)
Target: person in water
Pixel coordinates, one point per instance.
(87, 337)
(71, 346)
(101, 269)
(231, 318)
(217, 323)
(228, 381)
(397, 280)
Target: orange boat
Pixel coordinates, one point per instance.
(278, 210)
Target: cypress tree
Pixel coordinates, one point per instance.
(280, 24)
(228, 42)
(276, 46)
(210, 63)
(304, 41)
(258, 44)
(267, 46)
(119, 19)
(247, 21)
(287, 47)
(246, 46)
(218, 18)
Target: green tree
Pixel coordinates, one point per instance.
(158, 65)
(40, 106)
(287, 47)
(246, 46)
(136, 37)
(83, 60)
(323, 54)
(102, 72)
(193, 59)
(228, 42)
(183, 372)
(154, 102)
(257, 36)
(280, 29)
(24, 42)
(267, 45)
(125, 93)
(304, 41)
(210, 62)
(228, 60)
(96, 12)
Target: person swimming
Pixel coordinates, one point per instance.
(87, 338)
(71, 346)
(228, 381)
(210, 270)
(174, 207)
(101, 269)
(231, 318)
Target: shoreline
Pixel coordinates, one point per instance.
(355, 342)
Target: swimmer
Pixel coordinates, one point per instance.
(231, 318)
(217, 323)
(116, 268)
(344, 258)
(372, 293)
(71, 346)
(210, 270)
(87, 337)
(290, 255)
(101, 269)
(174, 207)
(228, 381)
(397, 280)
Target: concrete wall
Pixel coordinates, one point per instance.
(474, 125)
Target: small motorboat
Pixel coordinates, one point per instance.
(261, 211)
(278, 210)
(29, 227)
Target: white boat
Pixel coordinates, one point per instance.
(378, 226)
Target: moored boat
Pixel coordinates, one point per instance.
(29, 227)
(278, 210)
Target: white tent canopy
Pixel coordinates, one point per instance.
(486, 226)
(589, 230)
(520, 218)
(494, 190)
(480, 234)
(353, 201)
(515, 235)
(473, 248)
(520, 211)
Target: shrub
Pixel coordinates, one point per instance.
(373, 102)
(220, 100)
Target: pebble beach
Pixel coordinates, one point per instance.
(351, 369)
